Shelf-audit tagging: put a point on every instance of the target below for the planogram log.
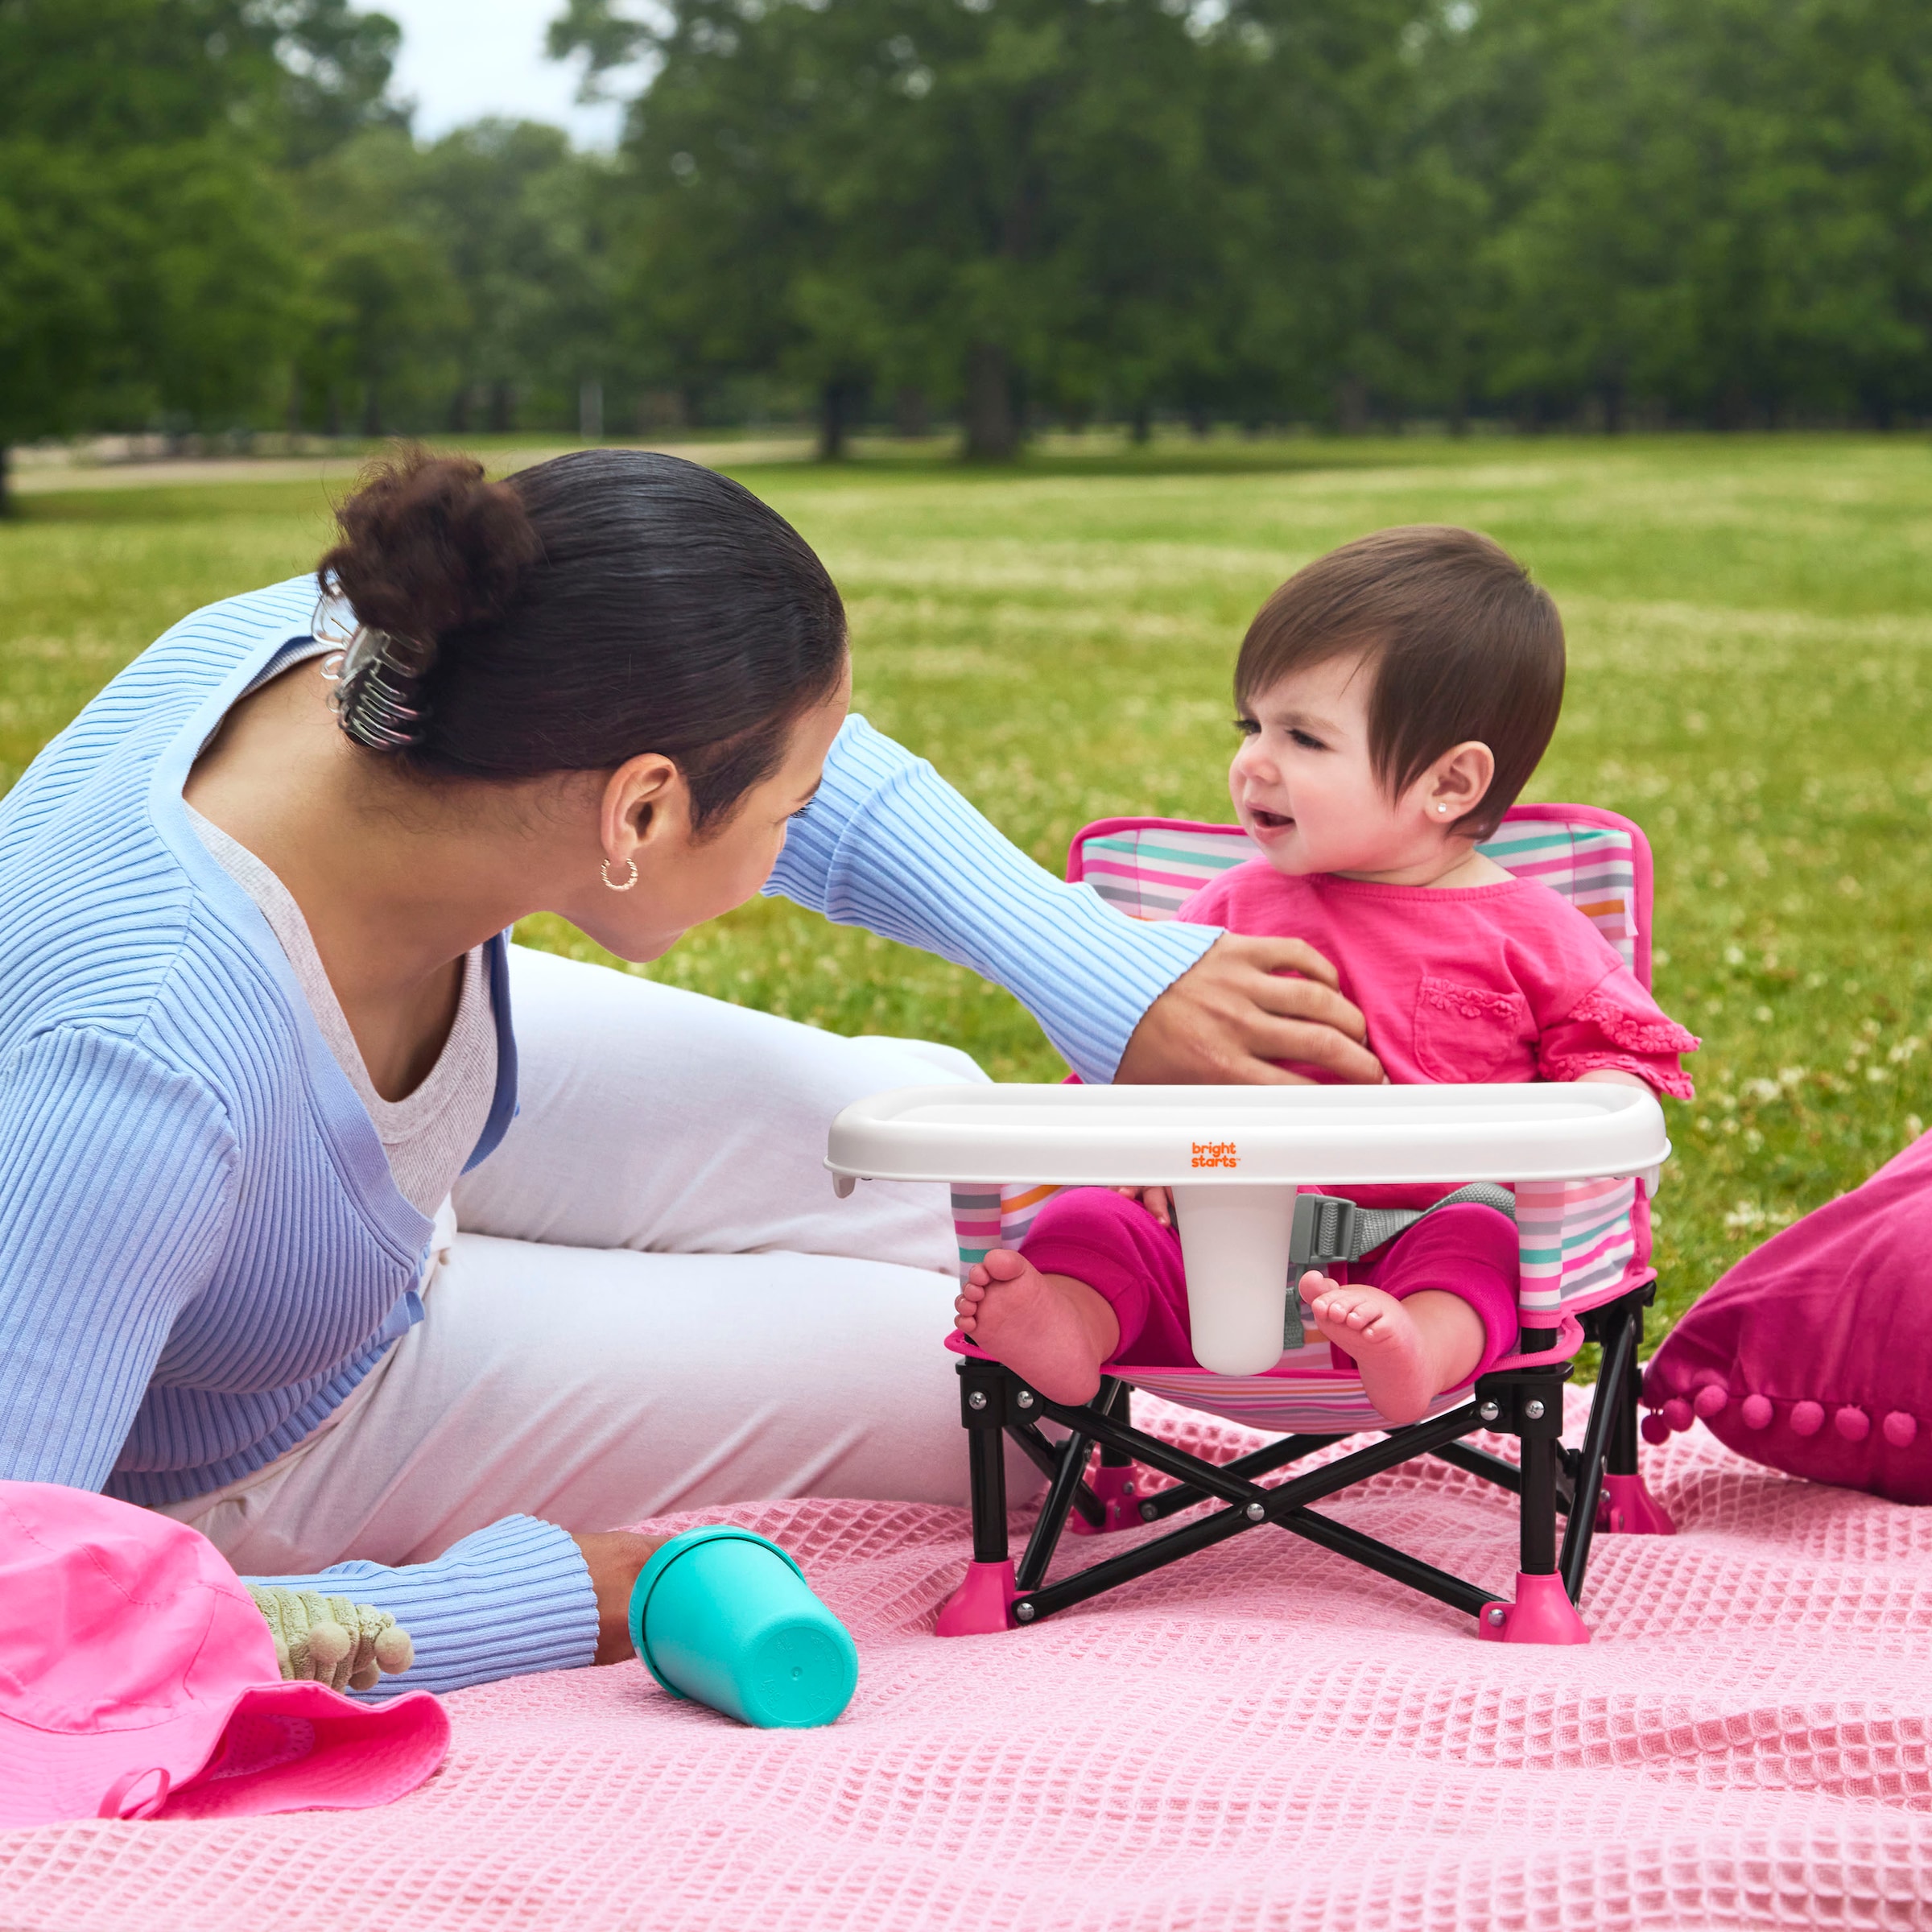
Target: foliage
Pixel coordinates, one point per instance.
(145, 268)
(1709, 209)
(1751, 680)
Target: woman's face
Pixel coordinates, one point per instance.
(682, 881)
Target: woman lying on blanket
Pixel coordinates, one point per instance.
(1394, 697)
(258, 1068)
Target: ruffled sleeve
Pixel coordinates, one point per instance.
(1617, 1026)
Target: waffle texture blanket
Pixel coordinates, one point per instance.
(1263, 1738)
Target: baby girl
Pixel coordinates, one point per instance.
(1393, 698)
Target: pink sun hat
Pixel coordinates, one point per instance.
(138, 1680)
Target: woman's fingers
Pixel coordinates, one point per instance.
(1245, 1004)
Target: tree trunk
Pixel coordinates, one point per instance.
(372, 408)
(1352, 405)
(992, 435)
(502, 407)
(909, 416)
(831, 422)
(1141, 423)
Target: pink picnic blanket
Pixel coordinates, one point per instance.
(1262, 1738)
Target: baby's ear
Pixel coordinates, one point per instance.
(1459, 781)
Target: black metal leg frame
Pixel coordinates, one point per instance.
(1525, 1402)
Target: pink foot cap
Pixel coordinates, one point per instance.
(1542, 1613)
(1626, 1508)
(1119, 1493)
(981, 1604)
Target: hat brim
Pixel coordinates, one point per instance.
(278, 1747)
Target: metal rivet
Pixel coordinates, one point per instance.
(1487, 1411)
(1533, 1410)
(1022, 1613)
(1256, 1512)
(1149, 1514)
(977, 1399)
(1127, 1487)
(1024, 1398)
(1497, 1616)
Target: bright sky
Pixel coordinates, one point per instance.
(464, 58)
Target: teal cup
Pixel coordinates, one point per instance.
(726, 1617)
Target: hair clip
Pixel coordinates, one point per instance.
(373, 673)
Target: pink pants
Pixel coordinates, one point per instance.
(1121, 1251)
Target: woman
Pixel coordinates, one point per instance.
(255, 1028)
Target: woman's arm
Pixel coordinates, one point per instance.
(518, 1597)
(887, 844)
(114, 1170)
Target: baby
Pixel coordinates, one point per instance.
(1394, 699)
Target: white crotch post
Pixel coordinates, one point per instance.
(1234, 1240)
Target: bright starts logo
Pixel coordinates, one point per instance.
(1216, 1153)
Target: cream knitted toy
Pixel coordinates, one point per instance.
(345, 1645)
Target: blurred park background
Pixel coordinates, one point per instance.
(1109, 313)
(992, 216)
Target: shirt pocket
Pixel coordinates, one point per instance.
(1465, 1033)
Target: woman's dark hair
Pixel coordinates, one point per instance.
(589, 608)
(1460, 644)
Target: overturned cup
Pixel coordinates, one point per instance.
(725, 1616)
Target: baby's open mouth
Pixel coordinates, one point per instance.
(1273, 820)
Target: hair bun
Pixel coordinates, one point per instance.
(429, 545)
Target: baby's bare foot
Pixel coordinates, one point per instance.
(1049, 1329)
(1398, 1366)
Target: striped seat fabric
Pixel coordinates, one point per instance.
(1581, 1243)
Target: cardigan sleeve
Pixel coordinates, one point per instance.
(95, 1133)
(505, 1601)
(889, 845)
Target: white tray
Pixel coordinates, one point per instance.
(1150, 1136)
(1235, 1156)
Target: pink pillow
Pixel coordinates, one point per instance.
(1814, 1354)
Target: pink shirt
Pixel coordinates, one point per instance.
(1478, 983)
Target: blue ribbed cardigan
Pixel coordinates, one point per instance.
(202, 1251)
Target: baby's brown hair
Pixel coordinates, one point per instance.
(1460, 643)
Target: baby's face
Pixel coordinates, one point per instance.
(1302, 783)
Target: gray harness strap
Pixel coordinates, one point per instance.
(1328, 1229)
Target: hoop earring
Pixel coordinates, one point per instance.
(612, 883)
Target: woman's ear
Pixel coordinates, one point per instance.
(644, 801)
(1458, 782)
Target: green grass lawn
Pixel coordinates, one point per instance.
(1750, 624)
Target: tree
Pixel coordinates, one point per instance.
(967, 197)
(1716, 206)
(145, 267)
(522, 217)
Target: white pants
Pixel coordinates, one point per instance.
(655, 1302)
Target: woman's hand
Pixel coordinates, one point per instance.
(614, 1560)
(1244, 1004)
